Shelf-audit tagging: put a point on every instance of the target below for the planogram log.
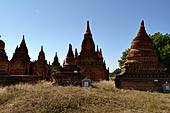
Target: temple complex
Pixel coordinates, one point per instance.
(40, 67)
(142, 70)
(20, 62)
(3, 59)
(89, 61)
(70, 73)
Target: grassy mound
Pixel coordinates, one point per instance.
(103, 97)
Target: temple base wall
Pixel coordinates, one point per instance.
(145, 85)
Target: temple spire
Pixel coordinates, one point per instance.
(88, 28)
(23, 37)
(97, 49)
(142, 23)
(142, 31)
(41, 55)
(70, 51)
(41, 48)
(23, 44)
(100, 51)
(76, 53)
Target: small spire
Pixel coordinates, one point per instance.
(142, 31)
(70, 46)
(76, 53)
(97, 49)
(142, 23)
(70, 51)
(23, 41)
(49, 63)
(41, 48)
(100, 51)
(88, 27)
(55, 53)
(23, 37)
(41, 55)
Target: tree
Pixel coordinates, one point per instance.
(161, 47)
(115, 72)
(123, 58)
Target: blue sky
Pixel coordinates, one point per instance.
(56, 23)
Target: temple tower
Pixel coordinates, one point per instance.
(20, 62)
(142, 54)
(69, 65)
(3, 59)
(56, 63)
(142, 70)
(91, 62)
(40, 67)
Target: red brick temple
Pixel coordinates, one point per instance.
(20, 62)
(20, 68)
(90, 61)
(142, 70)
(70, 73)
(40, 67)
(3, 59)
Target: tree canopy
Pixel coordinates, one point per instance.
(161, 47)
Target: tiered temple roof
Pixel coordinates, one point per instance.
(90, 61)
(142, 57)
(142, 70)
(20, 62)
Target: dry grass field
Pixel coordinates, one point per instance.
(103, 97)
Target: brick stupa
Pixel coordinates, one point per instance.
(142, 70)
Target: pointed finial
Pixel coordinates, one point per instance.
(55, 53)
(70, 46)
(97, 49)
(41, 48)
(100, 51)
(142, 31)
(70, 51)
(76, 53)
(23, 37)
(88, 27)
(23, 41)
(142, 23)
(49, 63)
